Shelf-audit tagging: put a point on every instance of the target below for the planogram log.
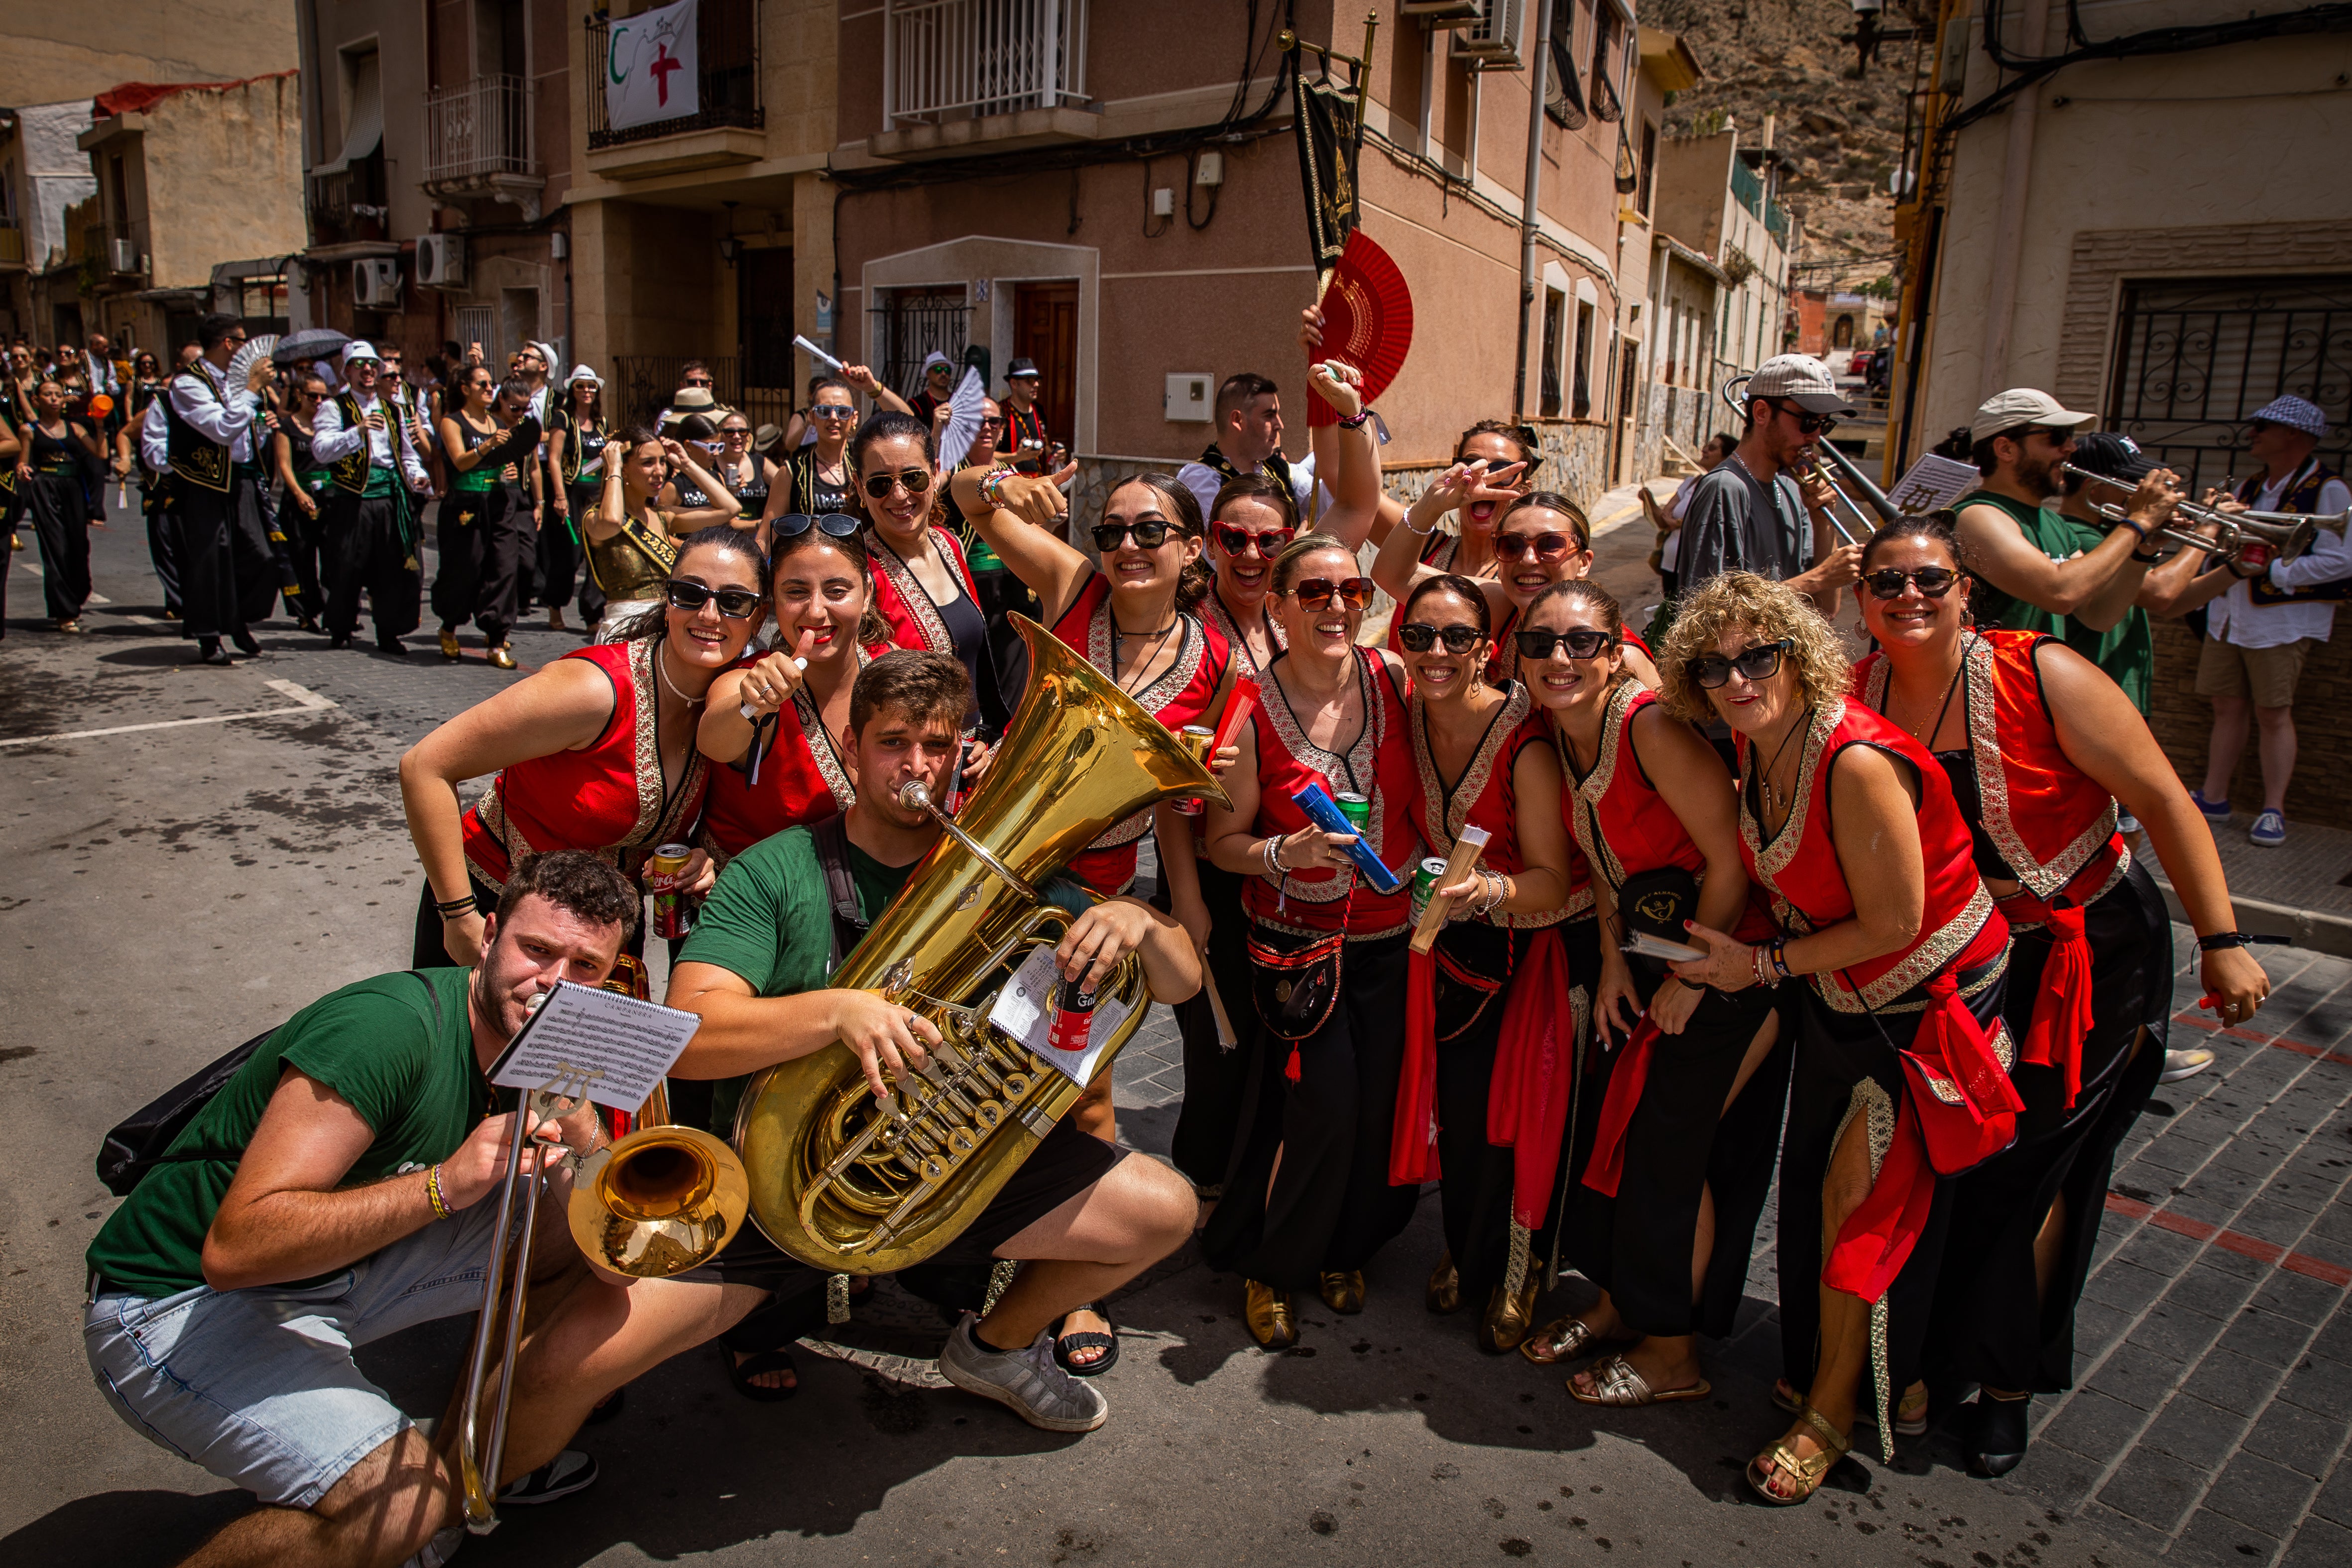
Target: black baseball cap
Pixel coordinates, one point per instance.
(2116, 457)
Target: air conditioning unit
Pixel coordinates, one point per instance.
(122, 255)
(375, 283)
(1437, 11)
(441, 260)
(1492, 39)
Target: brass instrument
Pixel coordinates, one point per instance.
(848, 1183)
(661, 1201)
(2287, 533)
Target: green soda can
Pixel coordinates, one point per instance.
(1356, 808)
(1424, 885)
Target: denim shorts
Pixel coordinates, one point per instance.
(259, 1385)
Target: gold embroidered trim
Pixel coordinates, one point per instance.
(1936, 950)
(1286, 929)
(1439, 831)
(1775, 857)
(1155, 695)
(911, 591)
(645, 699)
(1232, 631)
(1362, 762)
(2045, 878)
(1593, 788)
(820, 745)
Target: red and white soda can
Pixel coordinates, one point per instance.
(673, 905)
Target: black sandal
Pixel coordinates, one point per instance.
(760, 1363)
(1087, 1340)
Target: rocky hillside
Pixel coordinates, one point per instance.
(1784, 58)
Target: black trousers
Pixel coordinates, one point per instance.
(1637, 1244)
(1476, 1178)
(371, 550)
(584, 499)
(1331, 1207)
(307, 549)
(1989, 1327)
(230, 572)
(1835, 1053)
(61, 523)
(483, 538)
(163, 549)
(1216, 1080)
(1001, 594)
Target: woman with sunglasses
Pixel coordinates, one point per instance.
(1676, 1138)
(576, 439)
(1466, 549)
(1478, 1005)
(2039, 746)
(1308, 1200)
(772, 721)
(302, 483)
(595, 752)
(821, 476)
(483, 524)
(923, 584)
(632, 541)
(1903, 1079)
(744, 471)
(1541, 537)
(57, 452)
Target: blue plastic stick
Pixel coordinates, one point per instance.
(1325, 813)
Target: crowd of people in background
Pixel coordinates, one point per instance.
(1751, 909)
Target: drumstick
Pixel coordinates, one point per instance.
(1466, 850)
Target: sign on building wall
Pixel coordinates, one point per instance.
(650, 67)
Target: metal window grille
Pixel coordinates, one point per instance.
(2195, 357)
(915, 322)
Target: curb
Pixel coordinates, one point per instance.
(2315, 931)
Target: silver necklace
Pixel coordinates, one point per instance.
(660, 648)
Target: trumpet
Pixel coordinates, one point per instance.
(2286, 534)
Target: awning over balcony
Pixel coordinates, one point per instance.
(366, 123)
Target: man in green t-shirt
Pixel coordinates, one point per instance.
(1083, 1218)
(339, 1188)
(2024, 555)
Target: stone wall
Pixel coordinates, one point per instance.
(2183, 722)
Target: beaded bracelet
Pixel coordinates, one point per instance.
(991, 487)
(1272, 853)
(456, 909)
(1354, 421)
(1781, 957)
(441, 1209)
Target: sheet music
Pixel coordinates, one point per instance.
(631, 1044)
(1024, 1007)
(1934, 483)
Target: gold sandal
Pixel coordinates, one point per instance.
(1616, 1382)
(1509, 1314)
(1563, 1339)
(1780, 1454)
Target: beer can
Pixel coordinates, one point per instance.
(1196, 740)
(673, 907)
(1074, 1017)
(2254, 553)
(1356, 808)
(1426, 879)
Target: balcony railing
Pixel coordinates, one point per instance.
(726, 85)
(945, 59)
(481, 128)
(1746, 187)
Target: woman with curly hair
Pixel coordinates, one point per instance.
(1307, 1199)
(1849, 827)
(2039, 746)
(1674, 1152)
(1480, 1104)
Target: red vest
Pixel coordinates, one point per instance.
(2052, 822)
(1486, 795)
(1621, 821)
(802, 780)
(1380, 765)
(1179, 696)
(903, 602)
(1221, 620)
(1799, 868)
(611, 799)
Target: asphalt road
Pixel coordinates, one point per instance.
(174, 891)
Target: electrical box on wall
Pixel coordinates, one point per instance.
(1209, 169)
(1189, 394)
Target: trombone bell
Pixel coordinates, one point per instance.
(659, 1202)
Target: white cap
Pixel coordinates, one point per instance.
(1802, 380)
(359, 348)
(2021, 406)
(582, 373)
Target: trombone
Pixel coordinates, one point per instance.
(2288, 533)
(661, 1201)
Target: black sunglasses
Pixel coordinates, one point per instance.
(1151, 533)
(832, 525)
(916, 481)
(735, 604)
(1536, 642)
(991, 424)
(1807, 424)
(1888, 581)
(1759, 663)
(1420, 637)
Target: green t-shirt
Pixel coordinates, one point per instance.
(401, 1053)
(769, 921)
(2127, 650)
(2046, 531)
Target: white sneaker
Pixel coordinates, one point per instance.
(2179, 1065)
(1027, 1382)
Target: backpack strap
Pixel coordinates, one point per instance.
(831, 837)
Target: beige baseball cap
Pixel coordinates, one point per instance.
(2021, 406)
(1802, 380)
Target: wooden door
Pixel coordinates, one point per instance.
(1045, 329)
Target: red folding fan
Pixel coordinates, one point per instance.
(1366, 321)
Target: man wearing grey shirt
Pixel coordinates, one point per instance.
(1751, 513)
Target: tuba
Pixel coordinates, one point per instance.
(848, 1183)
